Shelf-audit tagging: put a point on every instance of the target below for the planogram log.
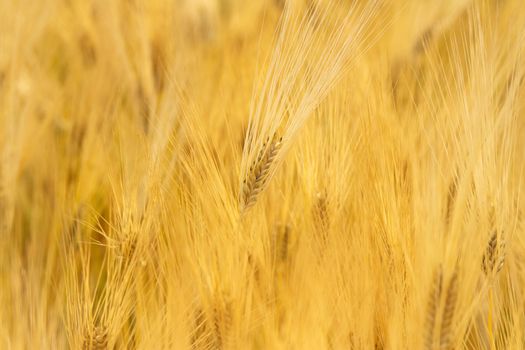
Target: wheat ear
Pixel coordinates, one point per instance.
(494, 256)
(96, 340)
(448, 313)
(492, 262)
(258, 174)
(432, 308)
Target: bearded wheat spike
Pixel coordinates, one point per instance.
(135, 135)
(432, 308)
(448, 313)
(97, 340)
(321, 211)
(222, 323)
(303, 67)
(501, 258)
(256, 180)
(494, 256)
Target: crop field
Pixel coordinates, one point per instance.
(262, 174)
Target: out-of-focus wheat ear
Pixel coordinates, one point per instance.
(520, 225)
(97, 339)
(128, 252)
(73, 231)
(446, 335)
(200, 332)
(432, 308)
(282, 249)
(423, 41)
(501, 256)
(284, 243)
(87, 50)
(222, 323)
(494, 256)
(451, 199)
(257, 177)
(487, 263)
(322, 213)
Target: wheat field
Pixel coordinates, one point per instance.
(262, 174)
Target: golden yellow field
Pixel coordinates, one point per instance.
(262, 174)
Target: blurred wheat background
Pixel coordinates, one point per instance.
(262, 174)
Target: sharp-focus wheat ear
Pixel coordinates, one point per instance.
(303, 67)
(96, 339)
(494, 256)
(432, 308)
(446, 334)
(258, 174)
